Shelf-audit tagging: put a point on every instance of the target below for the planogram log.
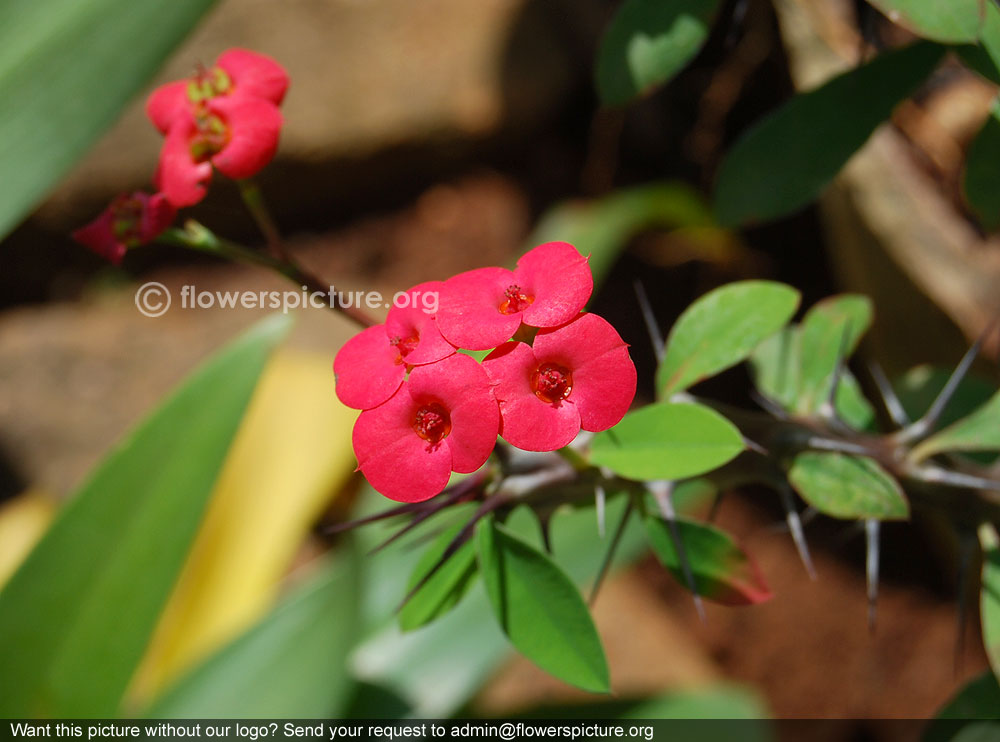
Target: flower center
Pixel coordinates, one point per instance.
(206, 84)
(211, 137)
(514, 300)
(405, 346)
(552, 383)
(127, 216)
(432, 423)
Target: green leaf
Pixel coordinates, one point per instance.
(540, 609)
(667, 441)
(948, 21)
(722, 570)
(775, 367)
(846, 486)
(75, 619)
(292, 664)
(786, 160)
(67, 67)
(980, 431)
(721, 329)
(990, 600)
(959, 719)
(446, 587)
(982, 185)
(647, 43)
(602, 227)
(919, 387)
(825, 328)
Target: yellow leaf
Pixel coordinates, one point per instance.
(23, 520)
(292, 454)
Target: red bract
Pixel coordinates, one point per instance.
(482, 308)
(443, 419)
(239, 136)
(371, 365)
(572, 377)
(129, 220)
(237, 73)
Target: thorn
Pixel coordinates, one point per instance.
(488, 506)
(662, 491)
(889, 398)
(769, 405)
(546, 533)
(610, 555)
(937, 475)
(655, 336)
(755, 447)
(795, 528)
(831, 444)
(460, 490)
(391, 512)
(872, 528)
(926, 424)
(600, 501)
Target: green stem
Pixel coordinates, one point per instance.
(196, 236)
(253, 198)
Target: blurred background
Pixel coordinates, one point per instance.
(426, 138)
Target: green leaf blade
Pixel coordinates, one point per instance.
(723, 572)
(647, 43)
(980, 431)
(990, 595)
(667, 441)
(844, 486)
(786, 160)
(292, 664)
(721, 329)
(446, 587)
(953, 21)
(76, 617)
(540, 609)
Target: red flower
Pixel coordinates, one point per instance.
(371, 365)
(572, 377)
(237, 72)
(443, 419)
(129, 220)
(239, 136)
(482, 308)
(226, 117)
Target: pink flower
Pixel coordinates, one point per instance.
(371, 365)
(443, 419)
(482, 308)
(129, 220)
(572, 377)
(237, 72)
(236, 135)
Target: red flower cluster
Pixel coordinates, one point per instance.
(428, 411)
(225, 117)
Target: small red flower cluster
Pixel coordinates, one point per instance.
(428, 411)
(225, 117)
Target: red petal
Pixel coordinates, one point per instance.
(254, 126)
(560, 280)
(604, 377)
(157, 214)
(469, 315)
(167, 103)
(99, 236)
(462, 386)
(394, 459)
(528, 422)
(178, 176)
(255, 75)
(410, 316)
(366, 370)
